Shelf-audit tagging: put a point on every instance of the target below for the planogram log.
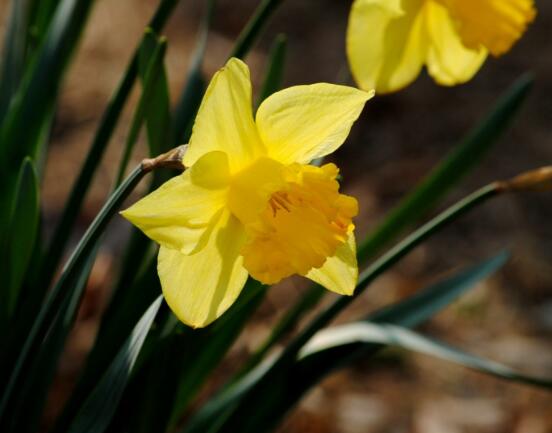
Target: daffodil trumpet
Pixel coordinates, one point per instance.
(249, 202)
(390, 41)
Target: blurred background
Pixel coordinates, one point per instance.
(398, 139)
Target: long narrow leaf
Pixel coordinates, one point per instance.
(158, 109)
(99, 144)
(96, 413)
(31, 397)
(425, 196)
(13, 56)
(460, 161)
(19, 135)
(254, 27)
(152, 77)
(274, 74)
(214, 344)
(133, 288)
(110, 337)
(366, 333)
(21, 238)
(63, 288)
(191, 96)
(282, 385)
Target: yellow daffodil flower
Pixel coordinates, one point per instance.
(248, 202)
(389, 41)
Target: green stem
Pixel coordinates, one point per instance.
(62, 288)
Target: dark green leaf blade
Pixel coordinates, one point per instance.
(425, 304)
(400, 337)
(157, 110)
(22, 234)
(99, 144)
(460, 161)
(214, 343)
(27, 349)
(425, 196)
(254, 27)
(97, 411)
(14, 53)
(133, 287)
(22, 125)
(192, 94)
(32, 395)
(287, 383)
(274, 74)
(153, 74)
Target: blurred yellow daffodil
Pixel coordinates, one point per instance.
(389, 41)
(249, 203)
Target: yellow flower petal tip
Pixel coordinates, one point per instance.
(390, 41)
(250, 203)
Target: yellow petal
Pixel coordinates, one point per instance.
(493, 24)
(224, 121)
(178, 213)
(449, 61)
(301, 226)
(340, 272)
(200, 287)
(386, 43)
(302, 123)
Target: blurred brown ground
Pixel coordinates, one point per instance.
(397, 140)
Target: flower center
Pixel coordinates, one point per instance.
(301, 222)
(494, 24)
(279, 201)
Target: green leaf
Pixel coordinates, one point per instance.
(21, 239)
(461, 160)
(42, 12)
(30, 113)
(13, 56)
(157, 110)
(290, 319)
(63, 288)
(273, 388)
(20, 131)
(450, 171)
(115, 326)
(31, 397)
(98, 410)
(212, 344)
(138, 281)
(254, 27)
(385, 262)
(425, 304)
(153, 75)
(177, 363)
(99, 144)
(274, 74)
(366, 333)
(195, 87)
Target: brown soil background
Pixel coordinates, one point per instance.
(398, 139)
